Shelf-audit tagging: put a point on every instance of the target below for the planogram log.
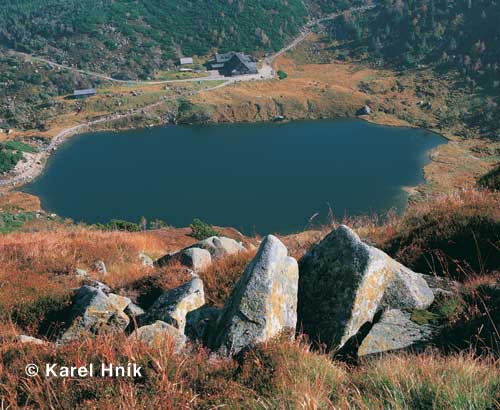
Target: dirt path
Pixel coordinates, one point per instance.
(34, 164)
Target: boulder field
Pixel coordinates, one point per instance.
(344, 294)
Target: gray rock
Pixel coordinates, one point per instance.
(196, 258)
(24, 339)
(93, 311)
(100, 266)
(441, 286)
(263, 302)
(155, 333)
(215, 245)
(407, 291)
(146, 260)
(219, 246)
(98, 285)
(342, 283)
(81, 273)
(200, 323)
(173, 305)
(134, 311)
(394, 331)
(365, 110)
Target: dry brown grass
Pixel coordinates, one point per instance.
(280, 375)
(220, 278)
(19, 201)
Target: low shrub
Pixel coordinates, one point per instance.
(451, 235)
(491, 180)
(201, 230)
(282, 75)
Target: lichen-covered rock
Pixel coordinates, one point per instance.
(219, 246)
(173, 305)
(94, 311)
(341, 285)
(197, 259)
(134, 311)
(155, 333)
(407, 290)
(98, 285)
(394, 331)
(263, 302)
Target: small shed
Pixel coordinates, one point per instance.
(84, 93)
(186, 60)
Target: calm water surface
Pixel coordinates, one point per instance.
(257, 177)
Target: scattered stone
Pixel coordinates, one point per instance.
(366, 110)
(394, 331)
(342, 283)
(173, 305)
(146, 260)
(24, 339)
(215, 245)
(81, 273)
(100, 266)
(98, 285)
(155, 333)
(94, 311)
(263, 302)
(219, 246)
(196, 258)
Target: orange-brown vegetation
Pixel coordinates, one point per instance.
(14, 201)
(36, 273)
(278, 375)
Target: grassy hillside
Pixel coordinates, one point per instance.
(37, 265)
(459, 36)
(132, 38)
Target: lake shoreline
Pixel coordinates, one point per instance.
(237, 154)
(27, 171)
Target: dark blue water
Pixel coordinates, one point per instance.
(255, 177)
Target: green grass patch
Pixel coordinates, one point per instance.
(9, 159)
(11, 222)
(20, 146)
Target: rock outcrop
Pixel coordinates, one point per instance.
(173, 305)
(197, 259)
(407, 290)
(219, 246)
(155, 334)
(263, 302)
(194, 256)
(394, 331)
(345, 282)
(94, 311)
